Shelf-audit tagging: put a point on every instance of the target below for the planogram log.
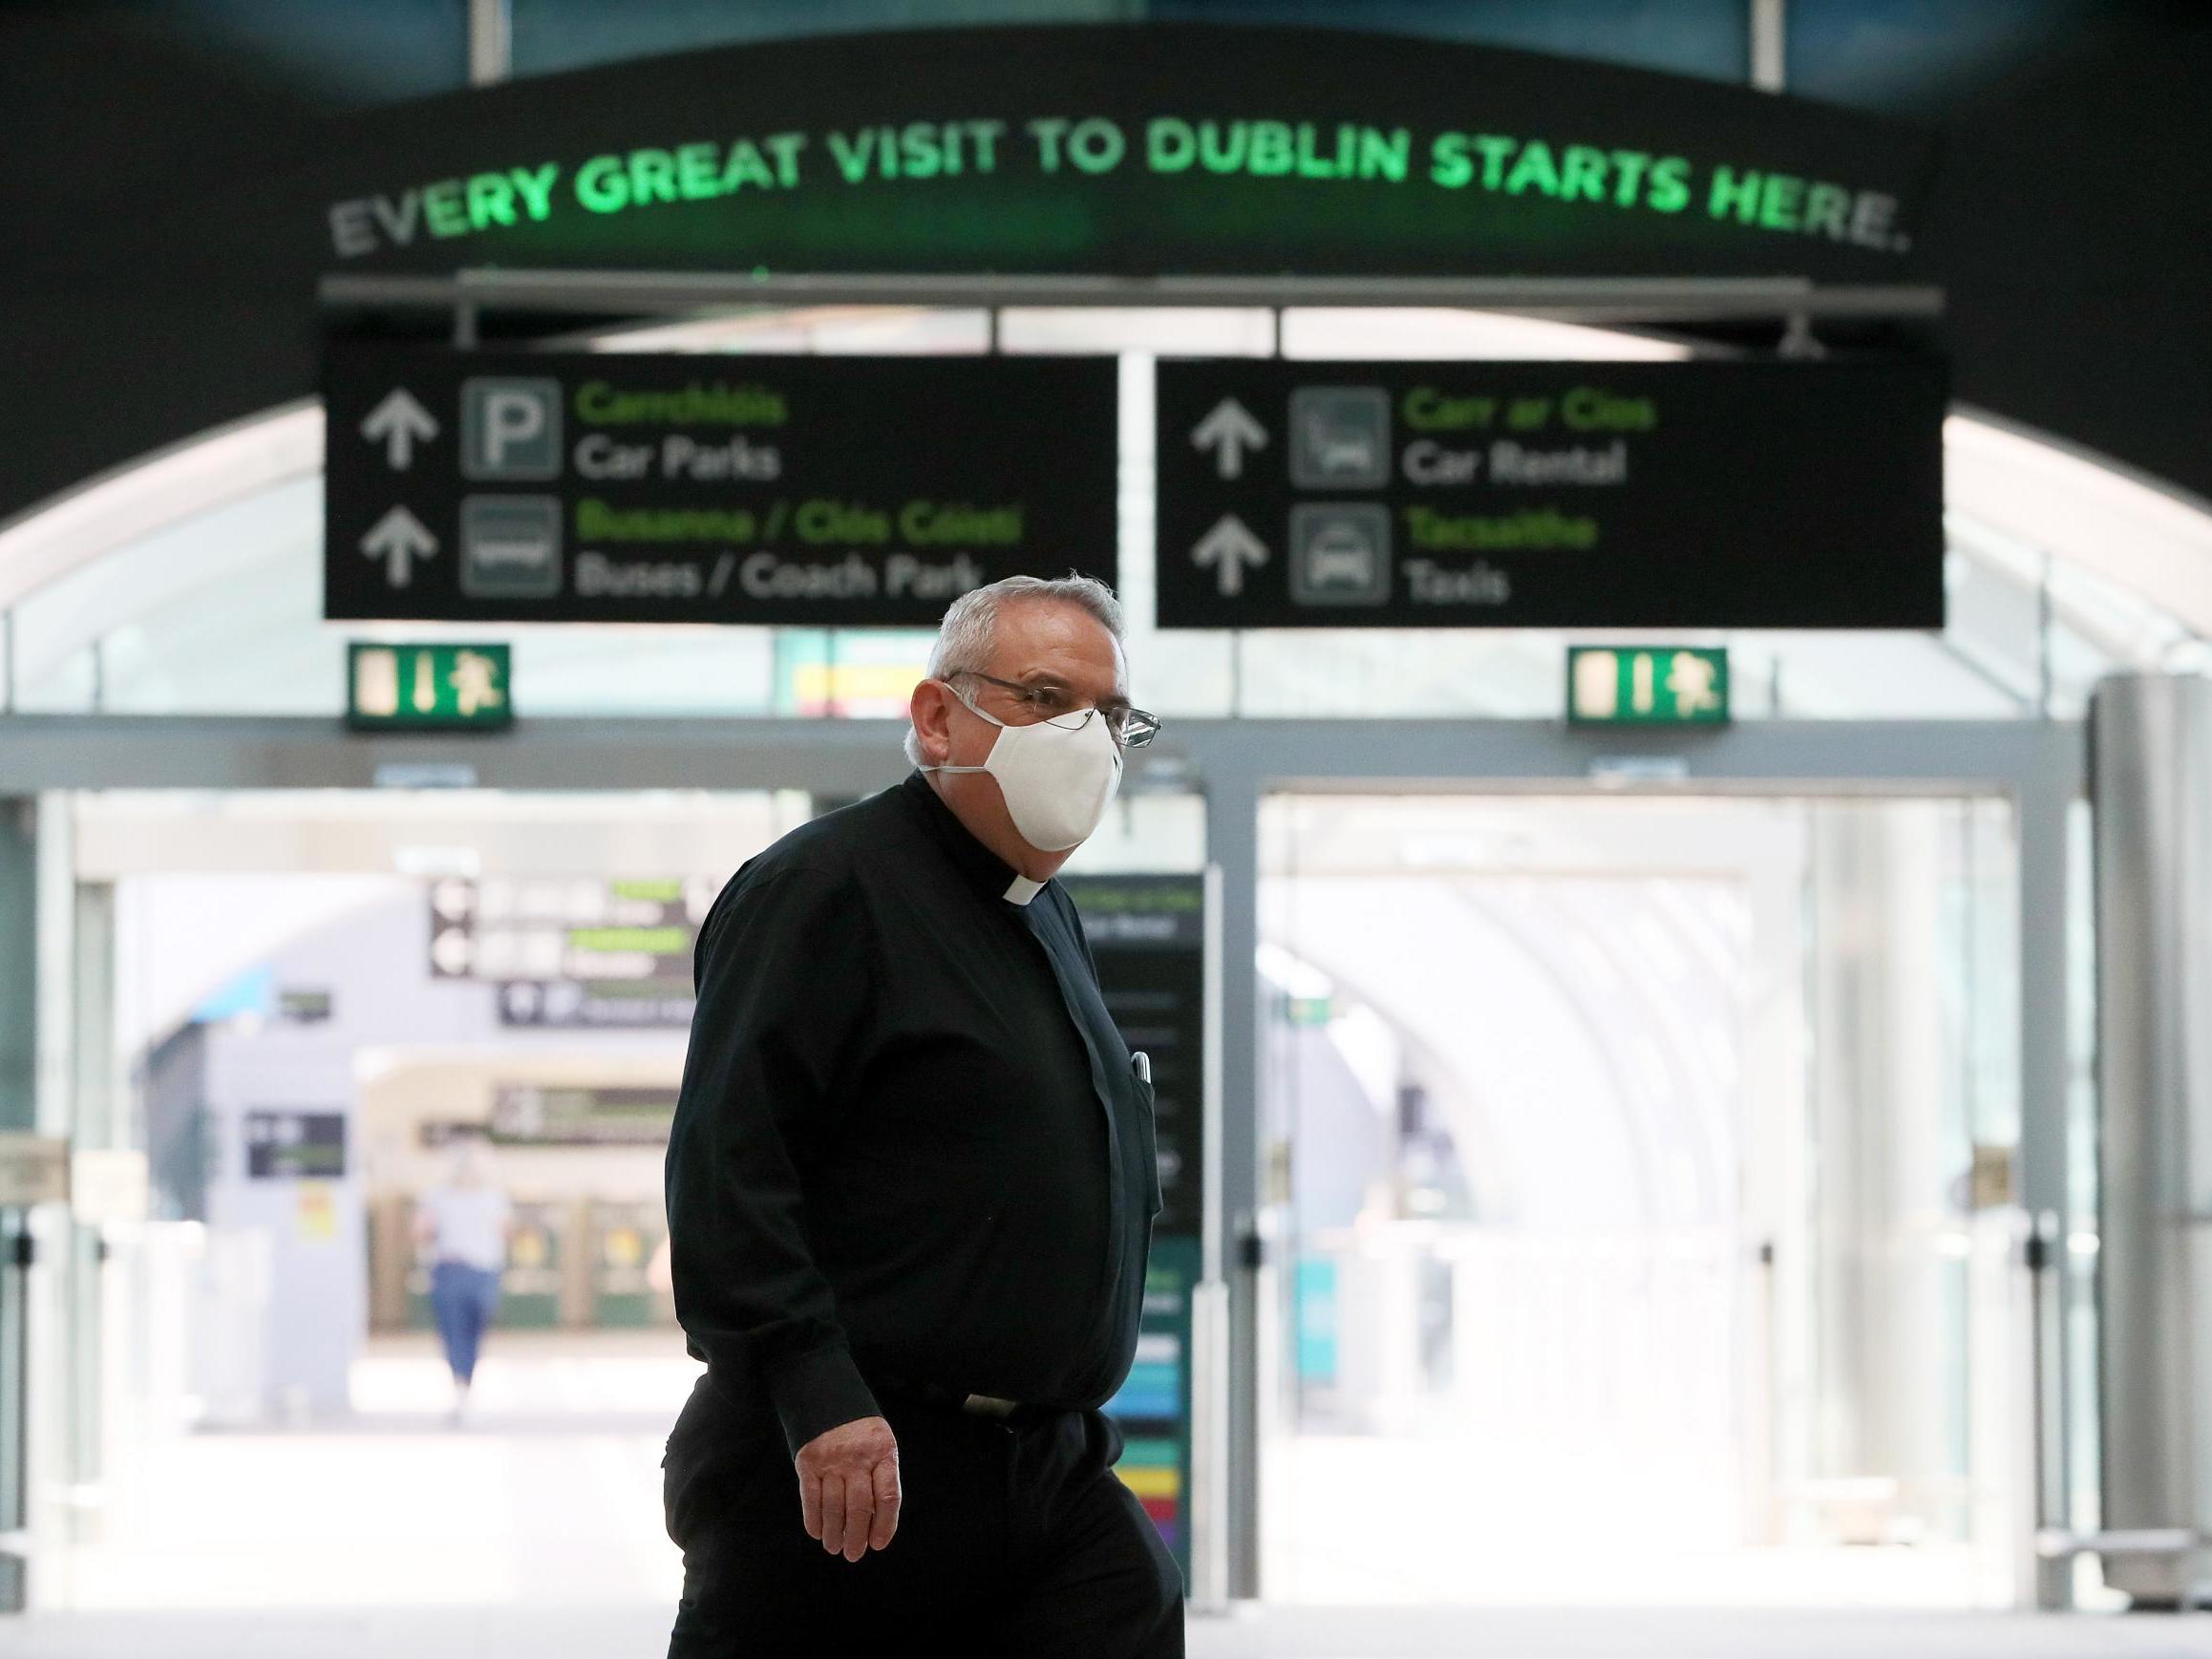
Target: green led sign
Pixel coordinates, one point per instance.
(1540, 168)
(418, 686)
(1133, 150)
(1646, 685)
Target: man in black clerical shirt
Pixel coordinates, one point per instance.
(910, 1190)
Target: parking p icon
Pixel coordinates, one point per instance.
(510, 428)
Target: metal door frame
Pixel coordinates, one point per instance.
(1234, 764)
(2037, 766)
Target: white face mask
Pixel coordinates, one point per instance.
(1057, 782)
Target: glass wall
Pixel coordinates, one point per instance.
(1920, 59)
(1703, 38)
(336, 56)
(557, 34)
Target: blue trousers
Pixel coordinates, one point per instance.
(463, 1299)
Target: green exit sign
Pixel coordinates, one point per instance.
(1646, 685)
(418, 686)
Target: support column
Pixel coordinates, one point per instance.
(2151, 788)
(18, 1111)
(1879, 1122)
(1769, 26)
(2045, 808)
(491, 41)
(42, 1245)
(18, 962)
(1233, 845)
(99, 1119)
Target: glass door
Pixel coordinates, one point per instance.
(1644, 1167)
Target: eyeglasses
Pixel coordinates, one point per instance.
(1049, 704)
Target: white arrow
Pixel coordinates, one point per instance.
(452, 951)
(396, 423)
(395, 539)
(1229, 431)
(1228, 548)
(454, 898)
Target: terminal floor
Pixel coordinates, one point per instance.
(535, 1533)
(633, 1632)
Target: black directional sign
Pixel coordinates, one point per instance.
(612, 487)
(1758, 494)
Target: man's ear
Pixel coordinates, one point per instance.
(930, 710)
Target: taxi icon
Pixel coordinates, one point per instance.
(1340, 553)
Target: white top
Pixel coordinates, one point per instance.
(471, 1224)
(1021, 890)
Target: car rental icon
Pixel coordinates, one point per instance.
(1341, 438)
(1344, 453)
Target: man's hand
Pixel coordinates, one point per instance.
(848, 1487)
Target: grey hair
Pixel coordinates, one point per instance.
(970, 627)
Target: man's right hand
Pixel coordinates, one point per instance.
(848, 1487)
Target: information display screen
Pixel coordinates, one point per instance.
(574, 951)
(581, 1114)
(695, 488)
(1148, 935)
(288, 1145)
(1152, 1406)
(1766, 494)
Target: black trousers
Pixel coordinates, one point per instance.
(1013, 1539)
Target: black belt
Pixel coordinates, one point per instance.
(992, 1406)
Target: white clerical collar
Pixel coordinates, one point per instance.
(1021, 890)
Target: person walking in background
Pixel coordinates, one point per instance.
(466, 1223)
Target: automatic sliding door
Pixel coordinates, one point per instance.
(1642, 1164)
